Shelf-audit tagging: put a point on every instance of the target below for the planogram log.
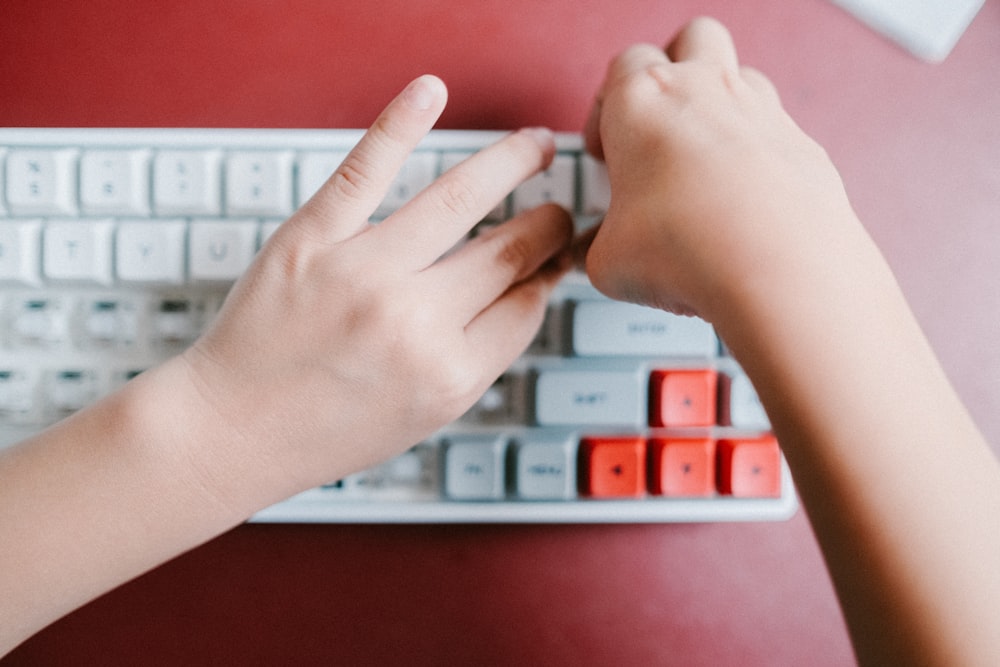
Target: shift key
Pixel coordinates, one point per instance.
(591, 397)
(614, 328)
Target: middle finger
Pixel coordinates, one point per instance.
(505, 255)
(439, 217)
(707, 40)
(636, 58)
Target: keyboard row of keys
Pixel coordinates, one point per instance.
(547, 467)
(638, 396)
(632, 466)
(29, 395)
(107, 252)
(682, 398)
(51, 321)
(177, 251)
(268, 183)
(586, 327)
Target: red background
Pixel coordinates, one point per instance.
(919, 148)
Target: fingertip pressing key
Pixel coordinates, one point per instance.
(545, 139)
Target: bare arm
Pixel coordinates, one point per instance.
(308, 374)
(721, 206)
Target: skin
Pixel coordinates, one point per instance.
(736, 215)
(720, 207)
(336, 321)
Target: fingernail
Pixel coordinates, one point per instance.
(542, 135)
(422, 92)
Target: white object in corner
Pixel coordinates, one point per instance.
(928, 29)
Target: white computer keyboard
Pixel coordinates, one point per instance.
(118, 246)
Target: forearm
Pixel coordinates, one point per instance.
(308, 372)
(102, 497)
(722, 206)
(902, 491)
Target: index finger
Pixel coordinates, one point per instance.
(634, 59)
(438, 217)
(342, 206)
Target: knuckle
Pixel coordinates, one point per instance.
(730, 79)
(635, 57)
(559, 217)
(457, 194)
(360, 174)
(759, 82)
(352, 180)
(384, 132)
(644, 86)
(516, 251)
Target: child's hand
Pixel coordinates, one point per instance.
(717, 196)
(346, 341)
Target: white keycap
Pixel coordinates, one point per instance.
(556, 184)
(109, 322)
(473, 467)
(71, 390)
(78, 251)
(742, 407)
(614, 328)
(3, 179)
(114, 182)
(493, 399)
(187, 182)
(267, 230)
(314, 170)
(16, 392)
(41, 182)
(39, 322)
(407, 468)
(259, 183)
(20, 252)
(417, 173)
(221, 250)
(596, 397)
(399, 478)
(175, 322)
(546, 468)
(596, 187)
(496, 405)
(151, 252)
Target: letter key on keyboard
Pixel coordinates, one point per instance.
(117, 248)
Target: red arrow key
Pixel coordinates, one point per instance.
(613, 467)
(750, 468)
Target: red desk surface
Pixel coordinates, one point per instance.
(919, 148)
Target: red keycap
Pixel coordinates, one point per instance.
(750, 468)
(613, 467)
(683, 467)
(683, 397)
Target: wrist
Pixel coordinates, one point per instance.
(823, 328)
(817, 275)
(137, 485)
(191, 444)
